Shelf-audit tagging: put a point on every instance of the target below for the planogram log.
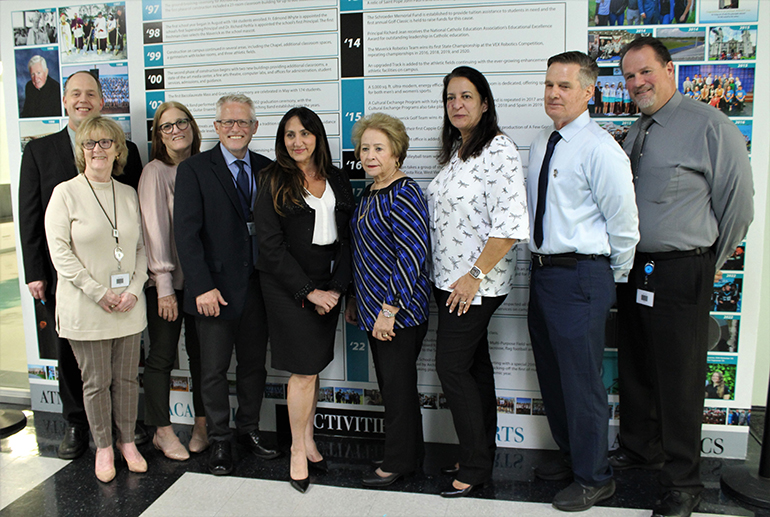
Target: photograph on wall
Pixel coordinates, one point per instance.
(714, 415)
(720, 377)
(38, 83)
(506, 405)
(179, 383)
(684, 44)
(113, 77)
(724, 330)
(611, 97)
(616, 413)
(373, 398)
(745, 127)
(36, 372)
(735, 262)
(610, 371)
(429, 400)
(729, 11)
(523, 406)
(617, 128)
(325, 394)
(93, 32)
(349, 396)
(32, 28)
(739, 417)
(727, 87)
(538, 407)
(728, 288)
(33, 129)
(733, 43)
(617, 12)
(605, 45)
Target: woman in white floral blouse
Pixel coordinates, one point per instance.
(478, 206)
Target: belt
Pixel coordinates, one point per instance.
(670, 255)
(561, 260)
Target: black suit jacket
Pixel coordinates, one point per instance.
(47, 162)
(286, 247)
(212, 238)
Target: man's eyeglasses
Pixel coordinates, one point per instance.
(168, 127)
(104, 143)
(230, 123)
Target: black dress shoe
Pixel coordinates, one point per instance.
(458, 492)
(576, 497)
(375, 480)
(556, 470)
(300, 485)
(450, 470)
(141, 436)
(675, 504)
(253, 443)
(74, 443)
(221, 458)
(320, 465)
(621, 460)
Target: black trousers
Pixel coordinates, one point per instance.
(567, 318)
(395, 363)
(164, 338)
(248, 334)
(662, 365)
(467, 378)
(70, 381)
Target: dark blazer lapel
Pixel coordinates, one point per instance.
(223, 174)
(64, 151)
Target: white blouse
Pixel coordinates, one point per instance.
(325, 229)
(471, 201)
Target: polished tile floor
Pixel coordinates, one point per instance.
(33, 482)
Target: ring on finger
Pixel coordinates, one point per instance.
(463, 303)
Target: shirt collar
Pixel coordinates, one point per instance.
(574, 127)
(230, 159)
(664, 114)
(71, 133)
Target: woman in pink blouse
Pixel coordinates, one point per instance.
(175, 137)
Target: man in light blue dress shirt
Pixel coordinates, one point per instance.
(583, 238)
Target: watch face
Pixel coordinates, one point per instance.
(475, 272)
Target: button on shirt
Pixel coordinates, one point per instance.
(694, 185)
(590, 205)
(471, 201)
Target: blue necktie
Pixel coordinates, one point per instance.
(542, 187)
(244, 188)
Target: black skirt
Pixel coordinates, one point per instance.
(301, 340)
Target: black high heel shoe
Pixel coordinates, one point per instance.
(319, 465)
(300, 485)
(458, 492)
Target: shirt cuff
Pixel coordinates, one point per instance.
(164, 283)
(620, 275)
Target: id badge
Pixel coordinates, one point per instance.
(119, 279)
(252, 226)
(644, 297)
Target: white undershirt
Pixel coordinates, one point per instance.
(325, 229)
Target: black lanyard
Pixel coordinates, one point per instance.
(115, 234)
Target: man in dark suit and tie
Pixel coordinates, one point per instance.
(216, 242)
(47, 162)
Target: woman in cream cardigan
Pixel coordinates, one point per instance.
(94, 233)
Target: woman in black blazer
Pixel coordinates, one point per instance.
(302, 215)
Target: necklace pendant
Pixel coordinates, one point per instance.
(118, 255)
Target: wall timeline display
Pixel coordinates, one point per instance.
(345, 59)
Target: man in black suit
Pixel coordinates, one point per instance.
(47, 162)
(216, 242)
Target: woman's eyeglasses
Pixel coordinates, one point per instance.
(168, 127)
(104, 143)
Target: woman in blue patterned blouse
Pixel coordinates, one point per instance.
(392, 286)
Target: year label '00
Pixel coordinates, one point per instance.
(153, 79)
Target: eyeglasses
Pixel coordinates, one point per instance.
(168, 127)
(230, 123)
(104, 143)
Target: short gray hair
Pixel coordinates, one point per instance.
(37, 59)
(589, 70)
(237, 98)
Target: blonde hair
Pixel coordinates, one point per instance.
(392, 127)
(109, 127)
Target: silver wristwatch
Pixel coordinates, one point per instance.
(387, 313)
